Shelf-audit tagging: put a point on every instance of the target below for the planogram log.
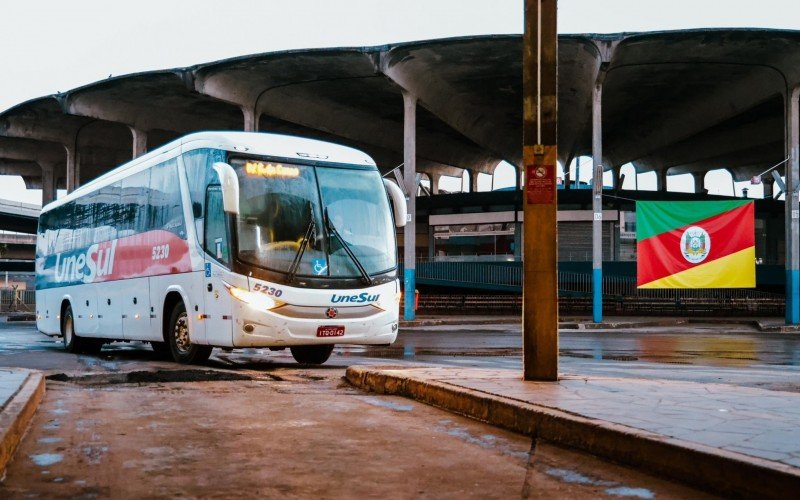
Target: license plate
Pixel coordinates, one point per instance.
(330, 331)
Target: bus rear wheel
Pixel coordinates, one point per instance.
(179, 339)
(73, 343)
(311, 354)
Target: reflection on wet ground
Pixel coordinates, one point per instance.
(673, 347)
(715, 354)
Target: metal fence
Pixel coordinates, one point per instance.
(570, 283)
(471, 272)
(17, 300)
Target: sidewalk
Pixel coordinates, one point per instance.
(730, 440)
(768, 324)
(21, 391)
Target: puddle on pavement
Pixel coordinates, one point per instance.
(47, 459)
(383, 403)
(150, 377)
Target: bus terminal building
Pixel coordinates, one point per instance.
(672, 105)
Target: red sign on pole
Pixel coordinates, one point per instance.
(540, 185)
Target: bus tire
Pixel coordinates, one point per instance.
(179, 340)
(72, 343)
(161, 349)
(311, 354)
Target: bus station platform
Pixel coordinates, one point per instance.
(21, 391)
(738, 442)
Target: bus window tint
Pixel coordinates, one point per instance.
(199, 165)
(106, 202)
(274, 215)
(165, 207)
(64, 225)
(216, 237)
(359, 210)
(133, 200)
(83, 222)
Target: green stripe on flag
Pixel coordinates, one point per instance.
(656, 217)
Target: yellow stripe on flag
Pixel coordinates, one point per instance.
(736, 270)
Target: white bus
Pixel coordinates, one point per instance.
(225, 239)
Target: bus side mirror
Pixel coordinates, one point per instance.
(398, 202)
(230, 187)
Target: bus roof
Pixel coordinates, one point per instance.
(255, 143)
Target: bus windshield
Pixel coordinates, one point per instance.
(287, 213)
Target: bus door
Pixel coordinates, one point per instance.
(218, 306)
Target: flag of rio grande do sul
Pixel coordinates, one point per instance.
(695, 244)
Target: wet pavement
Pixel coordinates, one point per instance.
(164, 431)
(731, 354)
(126, 426)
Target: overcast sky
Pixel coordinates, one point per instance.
(51, 46)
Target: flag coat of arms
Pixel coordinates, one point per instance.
(695, 244)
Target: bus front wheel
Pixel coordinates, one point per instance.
(179, 340)
(311, 354)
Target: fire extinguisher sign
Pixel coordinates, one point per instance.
(540, 185)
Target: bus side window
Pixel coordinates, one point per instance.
(216, 235)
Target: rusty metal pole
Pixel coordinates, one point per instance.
(540, 257)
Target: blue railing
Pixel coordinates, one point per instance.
(507, 276)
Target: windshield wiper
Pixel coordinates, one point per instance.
(310, 230)
(364, 274)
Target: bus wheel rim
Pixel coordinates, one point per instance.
(68, 330)
(181, 333)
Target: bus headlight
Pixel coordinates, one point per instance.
(256, 300)
(389, 302)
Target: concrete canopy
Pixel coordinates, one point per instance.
(682, 101)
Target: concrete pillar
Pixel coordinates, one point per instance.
(473, 181)
(250, 119)
(73, 168)
(597, 201)
(567, 174)
(616, 177)
(768, 183)
(435, 178)
(699, 182)
(661, 180)
(409, 175)
(792, 215)
(48, 184)
(431, 243)
(518, 236)
(139, 142)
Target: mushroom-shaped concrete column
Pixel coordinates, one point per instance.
(792, 213)
(409, 174)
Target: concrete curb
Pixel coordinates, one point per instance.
(719, 471)
(17, 414)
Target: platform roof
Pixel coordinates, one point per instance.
(680, 101)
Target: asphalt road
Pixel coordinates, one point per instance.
(122, 424)
(733, 354)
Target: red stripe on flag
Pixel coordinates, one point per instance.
(661, 255)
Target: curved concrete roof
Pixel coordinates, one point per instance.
(682, 101)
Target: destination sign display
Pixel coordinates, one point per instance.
(270, 169)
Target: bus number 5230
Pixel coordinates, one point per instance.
(160, 252)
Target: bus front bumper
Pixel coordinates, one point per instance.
(267, 329)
